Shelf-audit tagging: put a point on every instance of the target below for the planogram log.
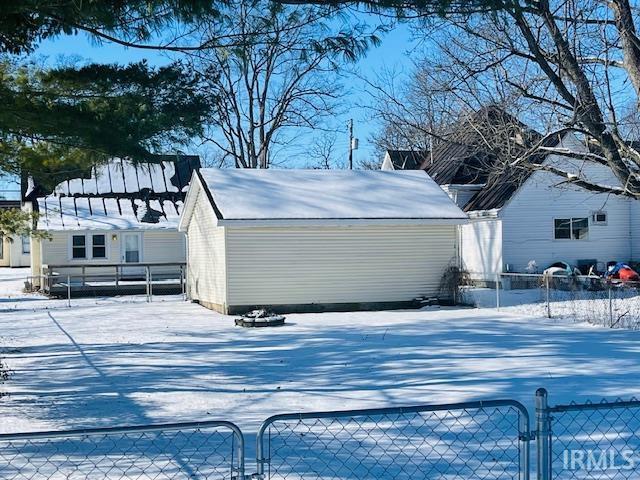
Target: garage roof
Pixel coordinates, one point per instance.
(327, 196)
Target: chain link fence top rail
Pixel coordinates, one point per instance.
(596, 300)
(477, 440)
(595, 440)
(204, 450)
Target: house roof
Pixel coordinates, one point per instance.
(99, 213)
(120, 194)
(504, 182)
(122, 177)
(470, 151)
(9, 203)
(407, 159)
(326, 196)
(479, 150)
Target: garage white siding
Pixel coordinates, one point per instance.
(163, 246)
(206, 268)
(481, 247)
(327, 265)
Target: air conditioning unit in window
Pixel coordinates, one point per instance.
(599, 218)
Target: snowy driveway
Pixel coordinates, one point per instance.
(123, 361)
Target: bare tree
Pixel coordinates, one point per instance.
(568, 66)
(421, 112)
(323, 153)
(576, 63)
(282, 82)
(412, 108)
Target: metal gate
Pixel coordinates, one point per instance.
(476, 440)
(171, 451)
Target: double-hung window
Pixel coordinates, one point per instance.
(78, 246)
(89, 246)
(571, 228)
(98, 246)
(26, 244)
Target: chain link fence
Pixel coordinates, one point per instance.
(211, 450)
(466, 441)
(598, 441)
(489, 440)
(596, 300)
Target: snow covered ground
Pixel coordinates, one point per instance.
(115, 361)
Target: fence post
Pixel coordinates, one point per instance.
(610, 293)
(146, 271)
(69, 291)
(547, 295)
(497, 291)
(183, 289)
(150, 285)
(543, 435)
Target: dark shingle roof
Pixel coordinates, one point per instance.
(476, 145)
(480, 149)
(503, 183)
(9, 203)
(407, 159)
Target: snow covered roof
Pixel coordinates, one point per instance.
(326, 196)
(170, 173)
(97, 213)
(118, 195)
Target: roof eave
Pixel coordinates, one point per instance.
(478, 214)
(341, 222)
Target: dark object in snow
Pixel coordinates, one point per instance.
(260, 318)
(427, 301)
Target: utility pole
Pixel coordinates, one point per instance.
(353, 144)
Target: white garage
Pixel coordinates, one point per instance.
(309, 240)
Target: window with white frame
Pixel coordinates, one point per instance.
(98, 246)
(89, 246)
(571, 228)
(26, 244)
(78, 246)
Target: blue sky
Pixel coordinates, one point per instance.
(394, 52)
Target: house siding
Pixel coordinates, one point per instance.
(12, 255)
(528, 220)
(157, 246)
(206, 269)
(5, 253)
(481, 247)
(333, 265)
(634, 215)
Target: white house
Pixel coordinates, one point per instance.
(301, 240)
(121, 213)
(520, 218)
(15, 250)
(540, 218)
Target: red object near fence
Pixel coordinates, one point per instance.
(627, 274)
